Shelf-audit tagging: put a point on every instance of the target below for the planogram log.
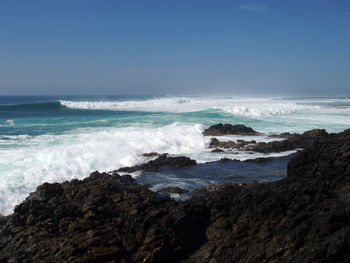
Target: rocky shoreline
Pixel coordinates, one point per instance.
(110, 218)
(290, 141)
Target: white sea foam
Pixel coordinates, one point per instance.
(257, 138)
(14, 140)
(207, 156)
(8, 123)
(52, 158)
(56, 158)
(263, 109)
(251, 107)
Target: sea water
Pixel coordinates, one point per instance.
(53, 139)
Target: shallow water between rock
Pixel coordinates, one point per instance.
(201, 175)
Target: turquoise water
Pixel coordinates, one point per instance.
(42, 115)
(61, 138)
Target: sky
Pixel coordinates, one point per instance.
(175, 47)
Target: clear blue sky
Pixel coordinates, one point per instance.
(296, 47)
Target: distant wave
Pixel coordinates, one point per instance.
(266, 110)
(250, 107)
(178, 104)
(32, 106)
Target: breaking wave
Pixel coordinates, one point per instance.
(237, 106)
(56, 158)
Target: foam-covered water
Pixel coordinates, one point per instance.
(49, 139)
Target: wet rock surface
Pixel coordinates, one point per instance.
(162, 160)
(240, 144)
(217, 150)
(109, 218)
(228, 129)
(291, 142)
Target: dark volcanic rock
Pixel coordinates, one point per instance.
(303, 218)
(109, 218)
(3, 219)
(103, 218)
(247, 142)
(228, 129)
(151, 154)
(240, 144)
(259, 160)
(217, 150)
(162, 160)
(292, 142)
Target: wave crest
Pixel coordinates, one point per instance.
(266, 110)
(238, 106)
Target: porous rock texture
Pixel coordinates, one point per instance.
(109, 218)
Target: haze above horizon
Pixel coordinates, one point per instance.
(243, 47)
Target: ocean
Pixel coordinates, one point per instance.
(54, 139)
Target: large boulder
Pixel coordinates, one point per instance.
(161, 161)
(228, 129)
(103, 218)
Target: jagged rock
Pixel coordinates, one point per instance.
(292, 142)
(228, 129)
(303, 218)
(214, 142)
(162, 160)
(109, 218)
(101, 218)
